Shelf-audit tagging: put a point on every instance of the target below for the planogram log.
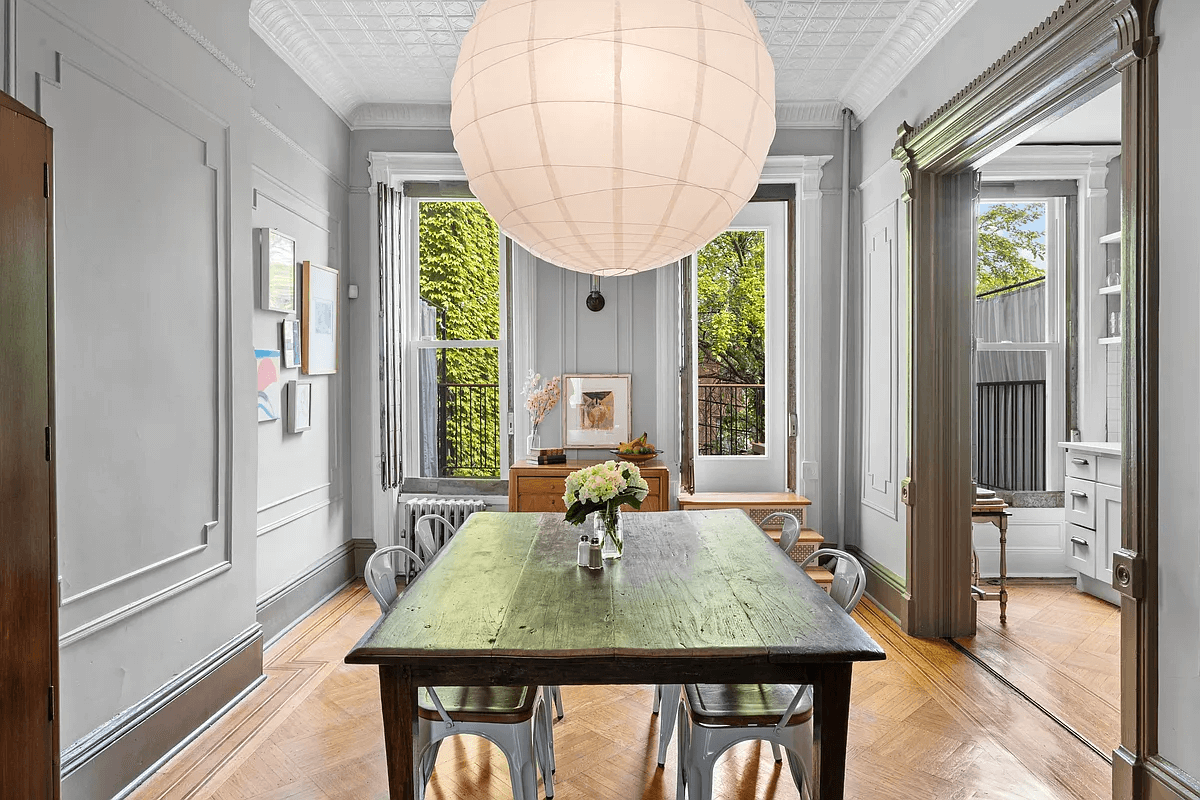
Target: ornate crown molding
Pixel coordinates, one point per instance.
(911, 37)
(405, 116)
(277, 24)
(809, 114)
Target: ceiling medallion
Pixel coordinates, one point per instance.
(611, 136)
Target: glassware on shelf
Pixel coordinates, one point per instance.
(1114, 323)
(1113, 279)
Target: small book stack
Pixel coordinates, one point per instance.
(986, 498)
(548, 455)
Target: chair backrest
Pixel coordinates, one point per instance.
(381, 571)
(849, 578)
(425, 541)
(791, 529)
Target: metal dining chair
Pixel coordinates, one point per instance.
(427, 541)
(717, 716)
(667, 695)
(514, 718)
(790, 534)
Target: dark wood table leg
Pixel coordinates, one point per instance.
(831, 720)
(399, 698)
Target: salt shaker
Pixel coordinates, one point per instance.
(584, 548)
(595, 560)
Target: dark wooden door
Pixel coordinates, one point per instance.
(28, 595)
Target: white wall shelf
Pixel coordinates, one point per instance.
(1111, 340)
(1111, 238)
(1110, 289)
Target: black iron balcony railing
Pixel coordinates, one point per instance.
(1010, 435)
(469, 430)
(730, 418)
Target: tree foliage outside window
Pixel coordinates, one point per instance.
(731, 341)
(1012, 245)
(459, 246)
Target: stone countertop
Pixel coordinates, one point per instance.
(1099, 448)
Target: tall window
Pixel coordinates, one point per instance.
(1019, 311)
(456, 347)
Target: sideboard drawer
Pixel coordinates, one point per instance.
(1081, 465)
(540, 487)
(1081, 549)
(1080, 502)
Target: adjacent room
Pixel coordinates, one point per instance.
(464, 399)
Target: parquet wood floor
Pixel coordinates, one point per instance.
(1061, 647)
(927, 723)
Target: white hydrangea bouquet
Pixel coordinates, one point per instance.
(603, 489)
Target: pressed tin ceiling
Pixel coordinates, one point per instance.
(388, 63)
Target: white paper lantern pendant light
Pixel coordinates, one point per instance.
(611, 136)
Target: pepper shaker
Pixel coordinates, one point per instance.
(595, 560)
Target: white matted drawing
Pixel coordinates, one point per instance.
(319, 319)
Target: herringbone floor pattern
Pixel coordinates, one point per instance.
(927, 723)
(1061, 647)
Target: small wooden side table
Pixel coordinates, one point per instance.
(998, 515)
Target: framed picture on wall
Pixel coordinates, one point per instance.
(299, 401)
(319, 319)
(268, 385)
(278, 271)
(596, 411)
(291, 343)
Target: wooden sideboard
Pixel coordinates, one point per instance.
(539, 487)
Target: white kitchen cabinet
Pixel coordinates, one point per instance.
(1092, 508)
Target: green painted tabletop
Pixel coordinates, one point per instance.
(691, 584)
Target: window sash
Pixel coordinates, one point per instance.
(414, 344)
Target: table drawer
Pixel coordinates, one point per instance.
(1080, 465)
(1080, 501)
(1081, 549)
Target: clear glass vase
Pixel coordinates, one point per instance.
(609, 527)
(533, 442)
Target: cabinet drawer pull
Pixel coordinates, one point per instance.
(1081, 542)
(1077, 493)
(1083, 462)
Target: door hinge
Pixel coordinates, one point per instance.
(1129, 574)
(51, 695)
(46, 179)
(48, 452)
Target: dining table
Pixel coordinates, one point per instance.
(697, 597)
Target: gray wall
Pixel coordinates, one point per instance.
(1179, 386)
(175, 136)
(155, 367)
(568, 337)
(874, 522)
(301, 155)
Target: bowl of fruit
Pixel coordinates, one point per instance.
(636, 450)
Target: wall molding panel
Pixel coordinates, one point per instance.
(881, 364)
(200, 39)
(103, 764)
(90, 608)
(287, 604)
(299, 148)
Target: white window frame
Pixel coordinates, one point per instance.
(394, 170)
(1053, 346)
(410, 295)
